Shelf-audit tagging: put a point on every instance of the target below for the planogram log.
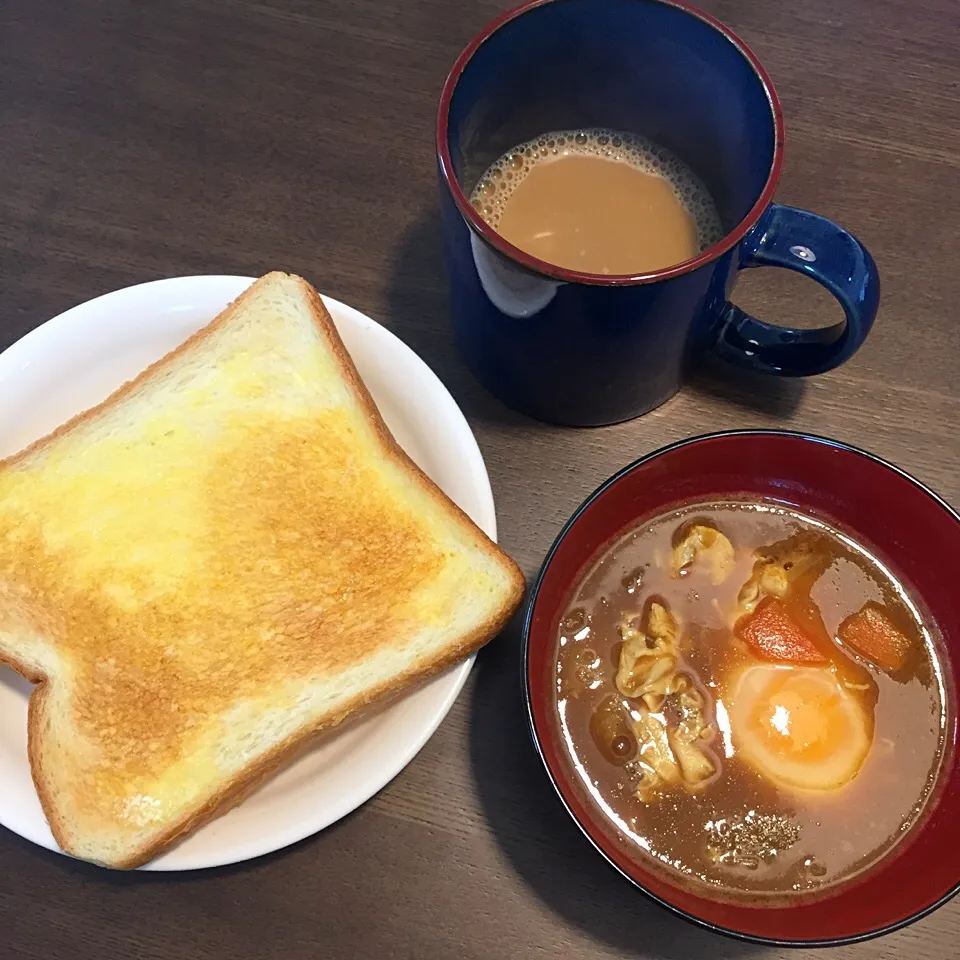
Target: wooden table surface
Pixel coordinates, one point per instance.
(146, 140)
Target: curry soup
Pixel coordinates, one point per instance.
(751, 698)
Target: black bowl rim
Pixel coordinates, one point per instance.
(525, 650)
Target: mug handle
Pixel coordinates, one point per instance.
(812, 245)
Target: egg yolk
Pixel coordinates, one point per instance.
(799, 727)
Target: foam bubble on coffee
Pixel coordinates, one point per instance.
(501, 179)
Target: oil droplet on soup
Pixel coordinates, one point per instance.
(752, 681)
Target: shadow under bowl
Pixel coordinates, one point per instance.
(910, 526)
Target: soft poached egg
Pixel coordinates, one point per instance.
(798, 727)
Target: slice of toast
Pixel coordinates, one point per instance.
(227, 556)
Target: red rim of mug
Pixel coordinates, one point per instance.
(479, 226)
(632, 869)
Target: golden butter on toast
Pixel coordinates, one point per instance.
(227, 556)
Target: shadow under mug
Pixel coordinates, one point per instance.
(590, 349)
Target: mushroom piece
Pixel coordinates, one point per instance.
(648, 660)
(706, 546)
(655, 751)
(659, 632)
(662, 625)
(673, 756)
(776, 570)
(642, 670)
(769, 579)
(655, 691)
(686, 739)
(668, 752)
(695, 765)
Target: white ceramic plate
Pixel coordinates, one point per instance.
(76, 360)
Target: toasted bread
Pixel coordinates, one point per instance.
(226, 557)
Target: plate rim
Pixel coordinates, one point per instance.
(485, 518)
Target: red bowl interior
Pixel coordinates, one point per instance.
(914, 531)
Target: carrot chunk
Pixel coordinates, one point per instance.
(871, 634)
(772, 633)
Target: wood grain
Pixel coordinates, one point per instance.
(142, 140)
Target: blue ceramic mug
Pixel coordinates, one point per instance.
(589, 349)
